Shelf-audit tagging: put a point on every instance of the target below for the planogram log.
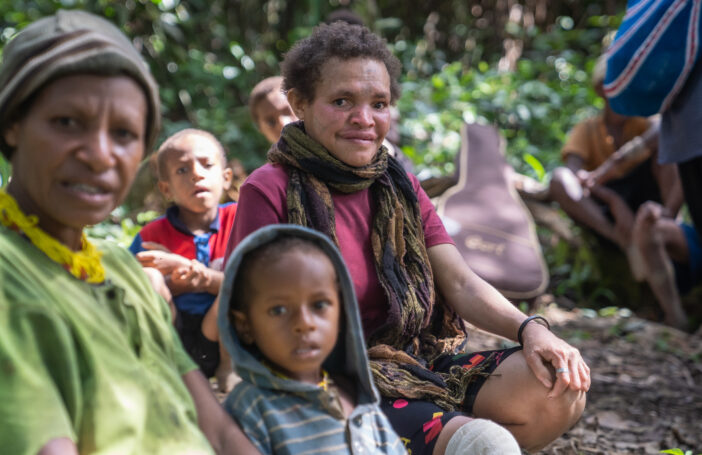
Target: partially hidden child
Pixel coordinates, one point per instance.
(288, 317)
(187, 244)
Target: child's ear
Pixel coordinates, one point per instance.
(165, 189)
(241, 325)
(227, 174)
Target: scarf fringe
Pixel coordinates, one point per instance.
(447, 390)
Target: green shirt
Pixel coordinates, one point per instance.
(99, 364)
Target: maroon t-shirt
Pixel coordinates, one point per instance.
(263, 201)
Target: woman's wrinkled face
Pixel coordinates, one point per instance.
(77, 149)
(350, 112)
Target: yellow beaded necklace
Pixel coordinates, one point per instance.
(84, 264)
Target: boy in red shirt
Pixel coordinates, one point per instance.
(187, 244)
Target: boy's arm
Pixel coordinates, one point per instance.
(225, 436)
(164, 261)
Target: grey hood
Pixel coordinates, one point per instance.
(349, 356)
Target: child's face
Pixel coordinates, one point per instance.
(273, 114)
(195, 175)
(293, 312)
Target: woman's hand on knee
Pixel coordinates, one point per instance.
(549, 356)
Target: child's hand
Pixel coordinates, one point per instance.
(195, 277)
(161, 260)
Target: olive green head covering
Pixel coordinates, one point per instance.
(70, 42)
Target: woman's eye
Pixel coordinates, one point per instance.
(380, 105)
(277, 311)
(340, 102)
(66, 122)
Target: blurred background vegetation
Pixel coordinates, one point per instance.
(523, 66)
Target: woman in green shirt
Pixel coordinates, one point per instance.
(89, 362)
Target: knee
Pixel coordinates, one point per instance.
(553, 417)
(482, 437)
(566, 408)
(556, 187)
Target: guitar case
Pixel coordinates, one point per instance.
(487, 219)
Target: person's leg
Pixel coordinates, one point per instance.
(466, 436)
(426, 429)
(668, 181)
(203, 351)
(226, 379)
(622, 227)
(583, 210)
(621, 213)
(513, 397)
(659, 239)
(420, 424)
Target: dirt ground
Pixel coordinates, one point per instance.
(646, 392)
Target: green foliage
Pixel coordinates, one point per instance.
(677, 452)
(534, 107)
(119, 228)
(208, 54)
(5, 171)
(575, 271)
(594, 273)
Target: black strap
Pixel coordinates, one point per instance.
(524, 324)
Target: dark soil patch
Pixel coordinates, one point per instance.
(646, 392)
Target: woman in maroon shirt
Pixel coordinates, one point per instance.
(329, 171)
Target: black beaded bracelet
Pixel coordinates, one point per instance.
(525, 322)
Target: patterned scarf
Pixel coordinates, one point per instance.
(416, 330)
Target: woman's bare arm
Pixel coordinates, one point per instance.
(477, 302)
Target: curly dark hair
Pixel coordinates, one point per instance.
(302, 65)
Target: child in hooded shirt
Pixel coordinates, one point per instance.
(289, 319)
(187, 245)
